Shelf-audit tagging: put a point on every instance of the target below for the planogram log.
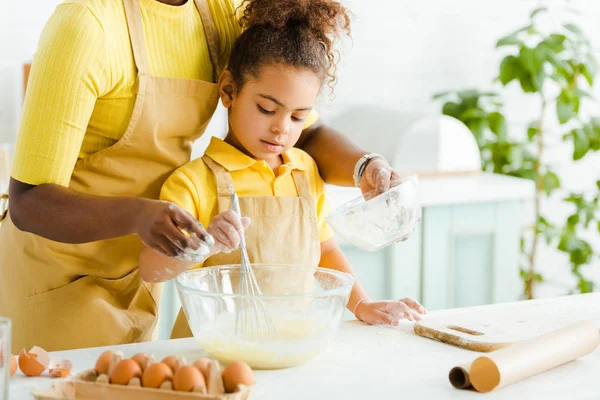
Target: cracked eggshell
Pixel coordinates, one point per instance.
(60, 369)
(34, 362)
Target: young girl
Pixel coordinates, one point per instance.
(275, 74)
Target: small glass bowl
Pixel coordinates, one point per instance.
(374, 221)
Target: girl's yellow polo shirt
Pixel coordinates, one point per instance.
(194, 188)
(80, 94)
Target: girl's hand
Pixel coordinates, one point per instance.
(388, 312)
(227, 228)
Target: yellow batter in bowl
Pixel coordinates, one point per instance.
(297, 340)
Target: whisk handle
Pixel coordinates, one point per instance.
(235, 205)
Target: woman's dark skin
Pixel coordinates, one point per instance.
(66, 215)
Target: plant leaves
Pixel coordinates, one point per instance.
(580, 251)
(537, 11)
(532, 131)
(473, 113)
(510, 68)
(469, 98)
(566, 107)
(555, 42)
(586, 286)
(573, 28)
(531, 60)
(551, 182)
(581, 144)
(526, 173)
(476, 126)
(452, 109)
(588, 69)
(497, 124)
(583, 253)
(439, 95)
(580, 93)
(510, 40)
(573, 220)
(528, 84)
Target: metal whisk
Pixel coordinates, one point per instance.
(252, 317)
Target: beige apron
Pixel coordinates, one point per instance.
(65, 296)
(283, 231)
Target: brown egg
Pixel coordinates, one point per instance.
(203, 364)
(187, 378)
(117, 357)
(156, 374)
(143, 359)
(173, 362)
(13, 365)
(34, 362)
(103, 362)
(124, 371)
(237, 373)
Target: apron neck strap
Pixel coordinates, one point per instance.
(138, 43)
(224, 180)
(212, 36)
(222, 176)
(136, 34)
(301, 184)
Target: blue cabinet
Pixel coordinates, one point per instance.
(460, 255)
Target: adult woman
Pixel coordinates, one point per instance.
(119, 91)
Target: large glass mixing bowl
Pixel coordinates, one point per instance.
(304, 305)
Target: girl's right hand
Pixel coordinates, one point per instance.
(227, 228)
(160, 223)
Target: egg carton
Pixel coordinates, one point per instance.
(87, 386)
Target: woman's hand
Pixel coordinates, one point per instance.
(389, 312)
(227, 228)
(160, 223)
(378, 176)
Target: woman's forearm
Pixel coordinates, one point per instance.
(66, 215)
(335, 154)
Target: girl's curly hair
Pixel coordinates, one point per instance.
(300, 33)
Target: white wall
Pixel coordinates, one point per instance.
(403, 52)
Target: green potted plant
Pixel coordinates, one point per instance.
(558, 69)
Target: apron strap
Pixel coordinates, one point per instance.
(301, 184)
(303, 189)
(136, 34)
(224, 180)
(212, 36)
(138, 43)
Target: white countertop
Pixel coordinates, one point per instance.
(455, 189)
(370, 362)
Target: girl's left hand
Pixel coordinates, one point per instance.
(389, 312)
